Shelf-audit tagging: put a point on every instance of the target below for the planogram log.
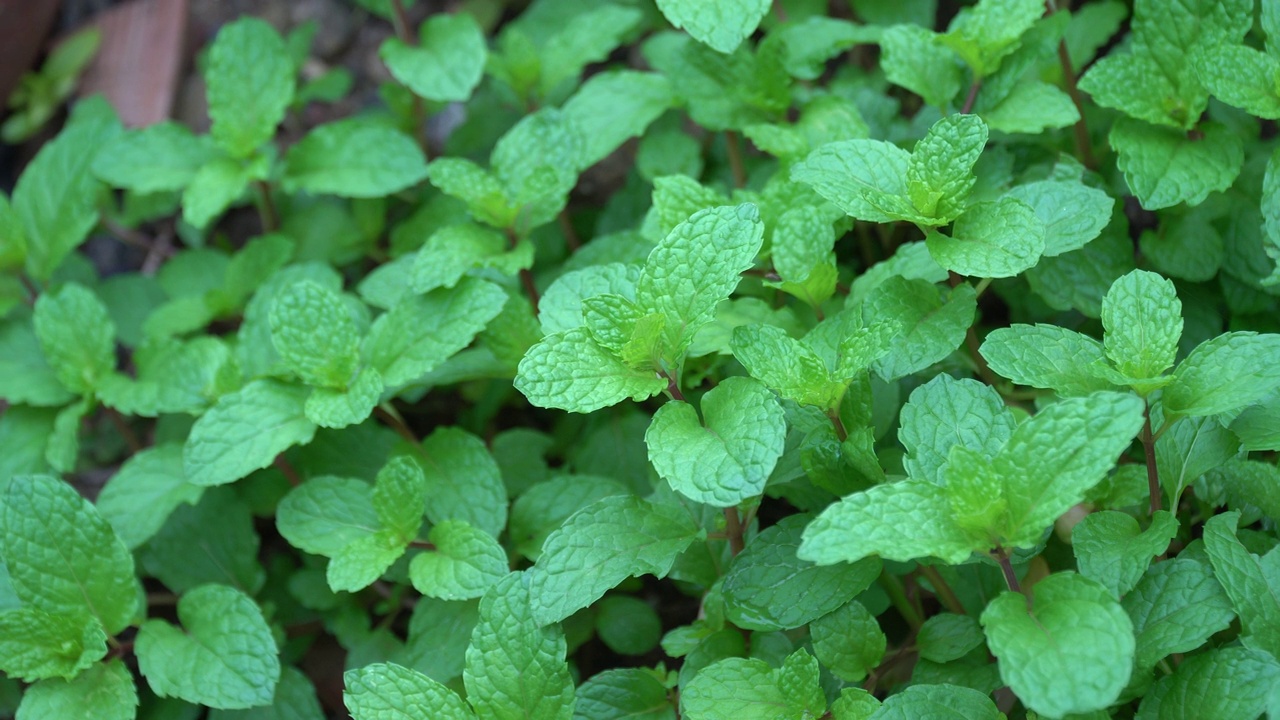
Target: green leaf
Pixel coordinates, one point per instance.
(940, 171)
(750, 688)
(1141, 86)
(463, 565)
(1240, 76)
(161, 157)
(422, 331)
(999, 239)
(720, 24)
(332, 408)
(786, 365)
(1230, 371)
(1069, 652)
(728, 459)
(324, 514)
(545, 506)
(225, 658)
(485, 196)
(1175, 608)
(602, 545)
(912, 58)
(1142, 317)
(463, 480)
(314, 334)
(295, 699)
(697, 265)
(386, 691)
(452, 251)
(942, 701)
(947, 636)
(628, 625)
(77, 337)
(245, 431)
(1230, 682)
(1073, 214)
(613, 106)
(1046, 356)
(1030, 107)
(215, 187)
(354, 158)
(104, 692)
(933, 324)
(63, 449)
(537, 162)
(514, 667)
(1248, 581)
(848, 641)
(1165, 167)
(568, 370)
(946, 412)
(1111, 550)
(1257, 426)
(62, 557)
(560, 307)
(212, 541)
(448, 61)
(250, 84)
(35, 645)
(983, 34)
(25, 375)
(439, 633)
(624, 693)
(769, 588)
(1189, 448)
(865, 178)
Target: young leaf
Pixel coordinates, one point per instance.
(729, 459)
(741, 687)
(77, 337)
(568, 370)
(448, 62)
(35, 645)
(354, 158)
(314, 333)
(940, 171)
(912, 57)
(25, 375)
(537, 163)
(1112, 551)
(1069, 650)
(225, 658)
(721, 24)
(985, 33)
(602, 545)
(545, 506)
(945, 412)
(1046, 356)
(452, 251)
(999, 239)
(1228, 372)
(250, 84)
(105, 691)
(215, 186)
(848, 641)
(382, 691)
(1073, 213)
(245, 431)
(865, 178)
(464, 564)
(1175, 608)
(1142, 317)
(514, 667)
(613, 106)
(1221, 683)
(62, 557)
(1189, 448)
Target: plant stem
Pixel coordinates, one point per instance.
(838, 424)
(733, 528)
(526, 275)
(267, 209)
(126, 432)
(400, 20)
(944, 592)
(673, 388)
(971, 98)
(898, 596)
(1006, 566)
(570, 235)
(287, 469)
(735, 159)
(1149, 449)
(1084, 148)
(388, 415)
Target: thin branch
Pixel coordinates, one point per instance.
(945, 594)
(838, 424)
(287, 469)
(122, 427)
(1006, 566)
(733, 528)
(570, 235)
(971, 98)
(267, 208)
(1149, 449)
(388, 415)
(1084, 147)
(735, 159)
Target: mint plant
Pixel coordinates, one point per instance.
(725, 359)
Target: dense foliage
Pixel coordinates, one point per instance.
(889, 373)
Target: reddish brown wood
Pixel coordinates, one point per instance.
(140, 62)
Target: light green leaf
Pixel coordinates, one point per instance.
(938, 702)
(537, 162)
(250, 84)
(1229, 682)
(933, 324)
(1069, 652)
(1258, 426)
(983, 34)
(26, 377)
(602, 545)
(568, 370)
(452, 251)
(77, 336)
(399, 494)
(613, 106)
(314, 334)
(865, 178)
(1046, 356)
(295, 699)
(786, 365)
(1142, 87)
(354, 158)
(721, 24)
(161, 157)
(1175, 608)
(325, 514)
(634, 693)
(62, 557)
(912, 58)
(362, 561)
(386, 691)
(514, 667)
(1164, 167)
(484, 195)
(768, 588)
(728, 459)
(35, 645)
(215, 186)
(422, 331)
(947, 636)
(1142, 317)
(103, 692)
(991, 239)
(1072, 213)
(848, 641)
(545, 506)
(245, 431)
(448, 61)
(1031, 107)
(1240, 76)
(560, 307)
(1111, 550)
(751, 690)
(1248, 581)
(1230, 371)
(332, 408)
(677, 197)
(589, 36)
(224, 657)
(940, 171)
(463, 565)
(946, 412)
(463, 480)
(63, 448)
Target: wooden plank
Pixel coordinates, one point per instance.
(139, 65)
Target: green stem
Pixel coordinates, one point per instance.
(267, 209)
(838, 424)
(735, 159)
(1149, 449)
(733, 529)
(1006, 566)
(944, 592)
(898, 596)
(971, 98)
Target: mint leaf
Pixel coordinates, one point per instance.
(848, 641)
(77, 337)
(560, 308)
(940, 171)
(161, 157)
(1189, 448)
(295, 699)
(1073, 214)
(1030, 107)
(1069, 652)
(62, 557)
(1258, 426)
(1112, 551)
(568, 370)
(728, 459)
(215, 187)
(545, 506)
(35, 645)
(245, 431)
(537, 163)
(786, 365)
(211, 541)
(933, 323)
(943, 701)
(1046, 356)
(865, 178)
(742, 687)
(1240, 76)
(250, 83)
(485, 196)
(721, 24)
(602, 545)
(104, 691)
(914, 59)
(983, 34)
(947, 636)
(769, 588)
(1164, 167)
(422, 331)
(515, 668)
(1175, 608)
(1225, 373)
(463, 481)
(314, 334)
(386, 691)
(463, 565)
(1223, 682)
(25, 375)
(999, 239)
(454, 250)
(613, 106)
(624, 692)
(946, 412)
(225, 657)
(448, 62)
(1247, 579)
(1143, 320)
(354, 158)
(331, 408)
